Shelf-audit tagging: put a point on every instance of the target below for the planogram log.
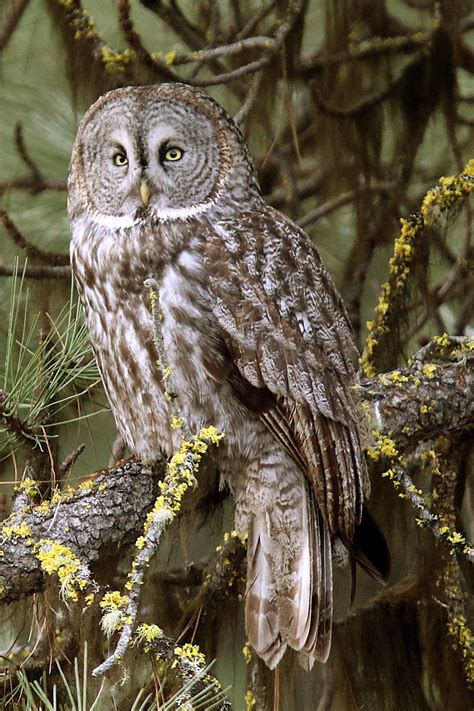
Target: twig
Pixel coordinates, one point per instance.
(177, 422)
(252, 96)
(200, 689)
(134, 40)
(24, 155)
(270, 45)
(255, 20)
(406, 489)
(364, 105)
(343, 199)
(179, 23)
(14, 424)
(370, 48)
(445, 464)
(70, 460)
(118, 450)
(179, 478)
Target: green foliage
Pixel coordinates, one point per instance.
(76, 695)
(44, 371)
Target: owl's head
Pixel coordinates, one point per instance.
(166, 151)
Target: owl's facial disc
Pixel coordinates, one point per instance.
(157, 157)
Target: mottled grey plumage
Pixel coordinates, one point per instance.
(255, 332)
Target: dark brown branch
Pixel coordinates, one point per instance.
(54, 259)
(70, 460)
(177, 22)
(14, 424)
(376, 46)
(431, 396)
(24, 155)
(343, 199)
(36, 272)
(134, 40)
(270, 45)
(12, 17)
(32, 184)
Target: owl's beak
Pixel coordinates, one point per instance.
(144, 192)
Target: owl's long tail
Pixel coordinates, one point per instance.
(289, 598)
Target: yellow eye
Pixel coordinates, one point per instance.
(120, 159)
(173, 153)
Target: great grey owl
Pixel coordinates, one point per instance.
(162, 184)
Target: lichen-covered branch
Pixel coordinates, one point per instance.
(432, 395)
(180, 477)
(98, 517)
(440, 200)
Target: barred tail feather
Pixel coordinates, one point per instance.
(289, 595)
(262, 612)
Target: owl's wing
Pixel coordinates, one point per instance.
(287, 331)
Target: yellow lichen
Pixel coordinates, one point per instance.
(247, 652)
(113, 600)
(442, 341)
(177, 422)
(86, 485)
(28, 486)
(396, 377)
(250, 700)
(385, 447)
(114, 61)
(56, 558)
(16, 530)
(464, 641)
(429, 370)
(189, 652)
(147, 634)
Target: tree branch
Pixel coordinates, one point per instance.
(433, 395)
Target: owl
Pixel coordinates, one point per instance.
(162, 184)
